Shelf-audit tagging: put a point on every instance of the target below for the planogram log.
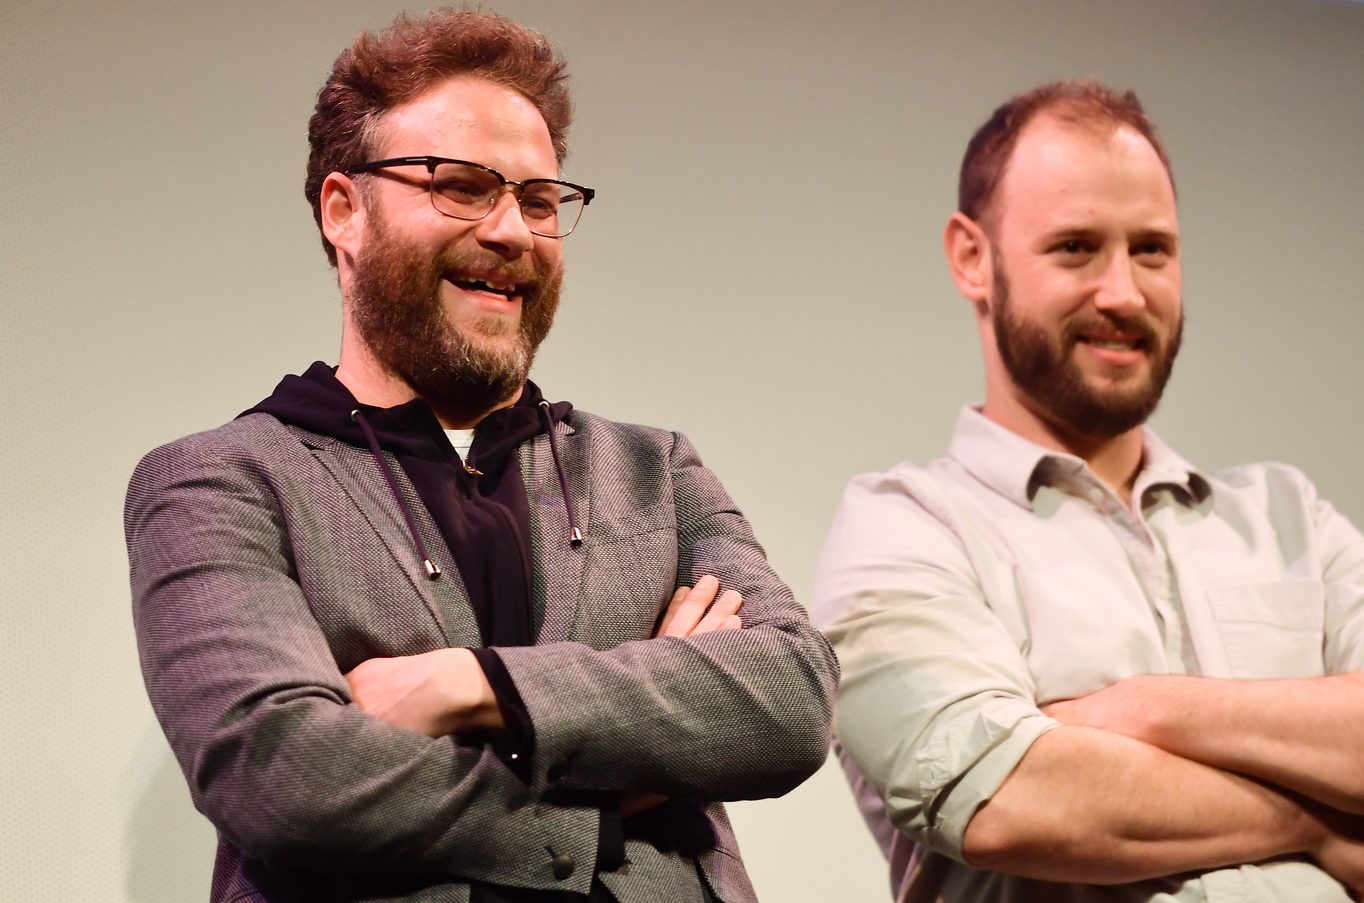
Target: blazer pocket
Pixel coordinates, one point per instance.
(627, 583)
(635, 522)
(1274, 629)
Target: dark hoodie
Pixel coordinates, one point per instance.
(481, 507)
(482, 511)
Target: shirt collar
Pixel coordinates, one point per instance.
(1016, 467)
(1163, 467)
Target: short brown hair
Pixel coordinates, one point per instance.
(384, 70)
(1082, 103)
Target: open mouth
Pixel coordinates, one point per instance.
(492, 285)
(1113, 337)
(1135, 343)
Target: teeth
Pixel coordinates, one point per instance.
(1111, 344)
(481, 285)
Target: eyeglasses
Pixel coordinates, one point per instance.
(469, 191)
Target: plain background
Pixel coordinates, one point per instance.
(762, 270)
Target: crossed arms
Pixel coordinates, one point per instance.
(249, 596)
(445, 691)
(1153, 776)
(1105, 799)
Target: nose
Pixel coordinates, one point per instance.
(1118, 290)
(504, 229)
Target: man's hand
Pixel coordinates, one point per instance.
(690, 613)
(435, 693)
(1340, 852)
(1342, 858)
(1130, 707)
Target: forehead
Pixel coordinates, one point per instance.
(472, 119)
(1066, 174)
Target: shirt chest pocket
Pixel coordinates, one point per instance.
(1272, 630)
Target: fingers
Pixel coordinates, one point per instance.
(688, 607)
(695, 610)
(634, 801)
(670, 614)
(725, 608)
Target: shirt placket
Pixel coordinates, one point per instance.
(1151, 564)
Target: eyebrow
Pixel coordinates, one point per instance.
(1164, 236)
(1065, 233)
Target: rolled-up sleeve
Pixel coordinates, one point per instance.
(936, 705)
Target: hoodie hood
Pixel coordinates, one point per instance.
(319, 402)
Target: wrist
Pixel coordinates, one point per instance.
(1156, 718)
(1323, 825)
(473, 704)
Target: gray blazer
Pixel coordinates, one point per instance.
(267, 561)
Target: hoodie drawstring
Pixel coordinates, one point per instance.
(575, 537)
(432, 569)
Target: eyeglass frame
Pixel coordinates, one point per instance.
(518, 188)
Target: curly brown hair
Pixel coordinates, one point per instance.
(384, 70)
(1087, 104)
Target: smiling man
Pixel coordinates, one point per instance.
(415, 632)
(1070, 658)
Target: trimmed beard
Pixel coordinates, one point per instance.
(395, 302)
(1045, 371)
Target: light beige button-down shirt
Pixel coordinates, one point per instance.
(962, 596)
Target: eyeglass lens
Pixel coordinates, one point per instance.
(467, 192)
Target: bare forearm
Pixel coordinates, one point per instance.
(1305, 735)
(1089, 806)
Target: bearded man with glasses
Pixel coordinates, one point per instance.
(417, 633)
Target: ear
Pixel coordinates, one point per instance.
(968, 257)
(343, 214)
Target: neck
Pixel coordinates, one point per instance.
(1115, 460)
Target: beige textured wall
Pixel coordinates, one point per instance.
(761, 270)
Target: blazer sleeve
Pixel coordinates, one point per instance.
(249, 694)
(733, 714)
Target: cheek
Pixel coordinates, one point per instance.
(549, 255)
(1051, 295)
(1161, 289)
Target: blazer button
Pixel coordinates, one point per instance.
(562, 865)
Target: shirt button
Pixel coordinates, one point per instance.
(1096, 495)
(562, 865)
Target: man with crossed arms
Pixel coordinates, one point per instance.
(1076, 667)
(413, 630)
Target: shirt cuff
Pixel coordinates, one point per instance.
(1001, 734)
(514, 744)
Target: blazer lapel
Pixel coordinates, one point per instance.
(445, 600)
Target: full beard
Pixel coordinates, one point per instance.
(1046, 372)
(396, 306)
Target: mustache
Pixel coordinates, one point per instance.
(1142, 326)
(520, 271)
